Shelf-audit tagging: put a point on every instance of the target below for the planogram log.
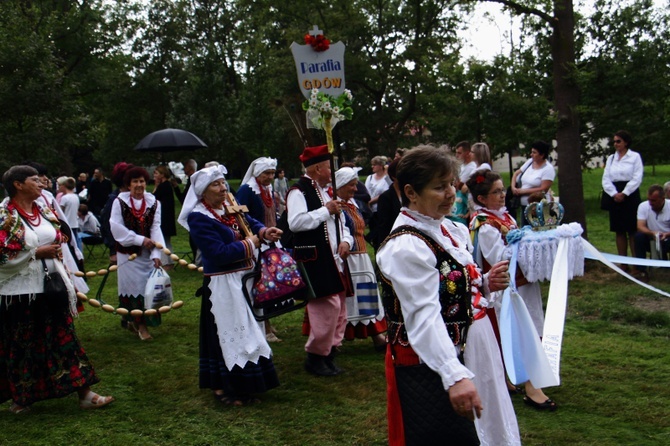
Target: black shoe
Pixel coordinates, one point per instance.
(332, 366)
(317, 365)
(549, 405)
(330, 361)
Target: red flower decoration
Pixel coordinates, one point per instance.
(480, 179)
(319, 42)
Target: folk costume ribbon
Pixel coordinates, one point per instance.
(524, 357)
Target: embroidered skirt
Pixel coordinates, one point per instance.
(40, 355)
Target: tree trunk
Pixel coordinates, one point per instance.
(566, 99)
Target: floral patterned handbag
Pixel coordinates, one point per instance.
(278, 281)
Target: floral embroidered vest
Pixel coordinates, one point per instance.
(454, 294)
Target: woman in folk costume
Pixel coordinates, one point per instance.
(256, 190)
(235, 359)
(256, 193)
(72, 256)
(434, 296)
(40, 355)
(366, 300)
(135, 223)
(489, 226)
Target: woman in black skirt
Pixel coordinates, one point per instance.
(40, 355)
(621, 181)
(235, 358)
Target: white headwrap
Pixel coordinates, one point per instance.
(345, 174)
(199, 182)
(258, 166)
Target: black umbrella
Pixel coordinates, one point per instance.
(170, 140)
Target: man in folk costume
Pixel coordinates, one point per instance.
(256, 193)
(322, 244)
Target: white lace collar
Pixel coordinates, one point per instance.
(432, 227)
(500, 213)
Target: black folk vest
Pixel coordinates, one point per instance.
(312, 248)
(454, 294)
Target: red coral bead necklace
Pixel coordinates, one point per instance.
(34, 218)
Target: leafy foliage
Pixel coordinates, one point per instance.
(322, 106)
(626, 80)
(95, 77)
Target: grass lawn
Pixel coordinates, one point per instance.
(615, 373)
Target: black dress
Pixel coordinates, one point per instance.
(165, 195)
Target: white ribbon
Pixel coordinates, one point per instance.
(594, 254)
(554, 321)
(524, 357)
(590, 252)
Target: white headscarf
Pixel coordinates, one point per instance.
(258, 166)
(199, 182)
(346, 174)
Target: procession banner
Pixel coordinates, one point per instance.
(320, 65)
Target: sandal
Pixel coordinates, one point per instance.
(94, 401)
(549, 404)
(17, 409)
(237, 402)
(227, 400)
(271, 337)
(246, 400)
(144, 335)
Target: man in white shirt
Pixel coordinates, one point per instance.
(312, 218)
(468, 165)
(653, 226)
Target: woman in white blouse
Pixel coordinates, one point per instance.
(135, 223)
(482, 155)
(621, 181)
(378, 182)
(536, 175)
(432, 290)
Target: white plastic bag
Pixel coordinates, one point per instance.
(158, 291)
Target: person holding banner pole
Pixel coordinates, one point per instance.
(322, 244)
(489, 225)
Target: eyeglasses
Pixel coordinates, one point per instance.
(497, 192)
(617, 141)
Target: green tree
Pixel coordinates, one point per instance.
(626, 78)
(43, 115)
(559, 18)
(394, 48)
